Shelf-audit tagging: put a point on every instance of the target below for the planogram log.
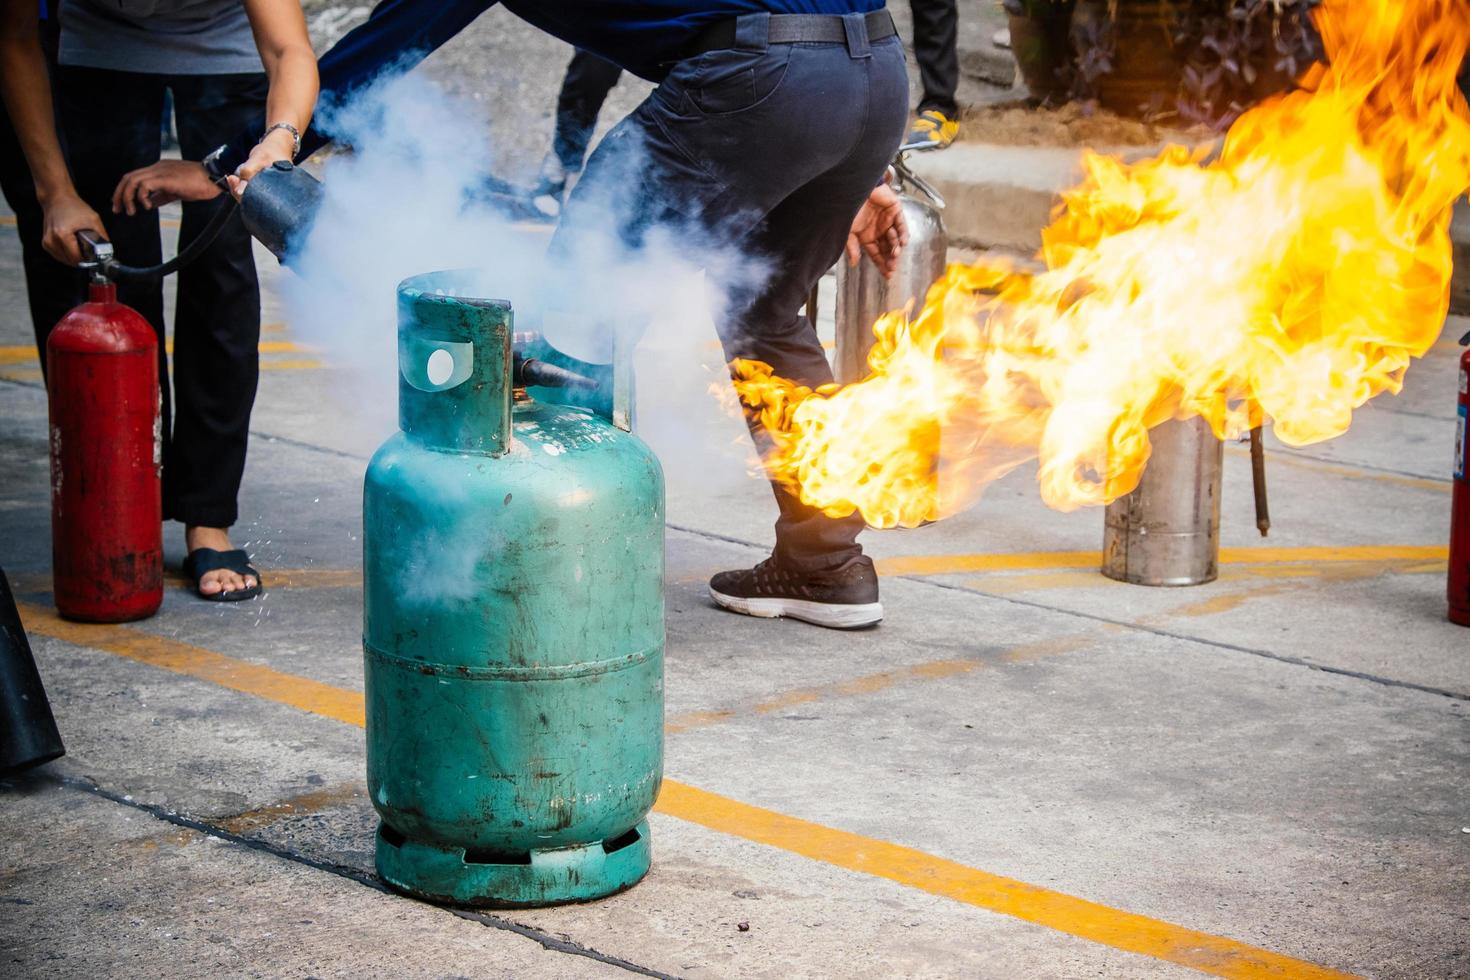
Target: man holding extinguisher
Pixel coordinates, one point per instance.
(116, 59)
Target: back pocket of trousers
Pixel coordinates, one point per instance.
(737, 80)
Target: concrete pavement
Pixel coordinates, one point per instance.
(1027, 770)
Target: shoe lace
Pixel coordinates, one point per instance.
(768, 574)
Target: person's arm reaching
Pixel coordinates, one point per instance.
(398, 33)
(290, 64)
(879, 229)
(285, 51)
(26, 88)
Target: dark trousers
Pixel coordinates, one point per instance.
(763, 152)
(52, 288)
(584, 89)
(111, 122)
(936, 35)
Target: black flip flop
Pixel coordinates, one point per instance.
(204, 560)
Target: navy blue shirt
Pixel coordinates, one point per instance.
(641, 36)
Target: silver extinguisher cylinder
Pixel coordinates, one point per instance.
(863, 295)
(1167, 531)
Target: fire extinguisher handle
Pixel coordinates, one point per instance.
(96, 253)
(907, 178)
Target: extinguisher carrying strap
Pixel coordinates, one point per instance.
(98, 257)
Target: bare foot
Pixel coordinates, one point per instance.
(221, 579)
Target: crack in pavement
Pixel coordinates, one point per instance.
(1202, 641)
(545, 940)
(326, 450)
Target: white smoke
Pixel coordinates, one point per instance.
(402, 203)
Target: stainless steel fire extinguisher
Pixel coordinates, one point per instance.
(863, 295)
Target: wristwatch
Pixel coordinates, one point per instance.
(295, 136)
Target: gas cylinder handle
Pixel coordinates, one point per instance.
(624, 396)
(906, 176)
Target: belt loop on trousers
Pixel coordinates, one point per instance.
(856, 26)
(753, 32)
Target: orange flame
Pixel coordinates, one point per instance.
(1293, 276)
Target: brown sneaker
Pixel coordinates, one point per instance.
(843, 598)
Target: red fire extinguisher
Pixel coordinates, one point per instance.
(106, 505)
(1459, 584)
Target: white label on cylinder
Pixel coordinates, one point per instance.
(440, 366)
(1461, 450)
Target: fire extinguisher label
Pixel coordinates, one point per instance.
(1460, 447)
(158, 435)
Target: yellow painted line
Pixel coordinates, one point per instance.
(1242, 563)
(197, 662)
(1351, 562)
(1340, 571)
(1074, 916)
(1348, 571)
(1039, 560)
(8, 221)
(1015, 562)
(1055, 910)
(275, 578)
(305, 364)
(1226, 601)
(26, 354)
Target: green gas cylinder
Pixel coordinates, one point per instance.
(513, 624)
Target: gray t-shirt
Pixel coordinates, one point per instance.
(166, 37)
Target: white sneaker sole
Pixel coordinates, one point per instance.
(831, 615)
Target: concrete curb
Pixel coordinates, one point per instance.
(989, 64)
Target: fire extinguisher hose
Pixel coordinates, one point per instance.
(102, 259)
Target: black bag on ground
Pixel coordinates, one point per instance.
(28, 735)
